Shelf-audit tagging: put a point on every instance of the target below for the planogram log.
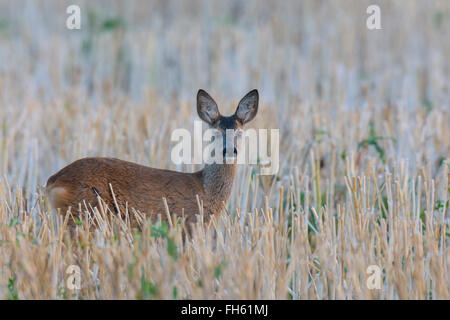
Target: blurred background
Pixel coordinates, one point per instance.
(305, 49)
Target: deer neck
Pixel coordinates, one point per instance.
(218, 180)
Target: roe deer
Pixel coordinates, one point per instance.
(142, 188)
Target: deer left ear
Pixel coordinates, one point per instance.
(247, 107)
(207, 108)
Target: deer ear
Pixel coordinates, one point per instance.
(247, 107)
(206, 107)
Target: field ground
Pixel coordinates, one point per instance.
(364, 155)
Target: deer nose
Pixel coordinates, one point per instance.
(225, 152)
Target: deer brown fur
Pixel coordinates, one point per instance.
(123, 185)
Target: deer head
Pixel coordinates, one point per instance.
(228, 129)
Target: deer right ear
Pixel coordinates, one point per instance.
(248, 107)
(206, 107)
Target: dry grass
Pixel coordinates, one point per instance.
(364, 155)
